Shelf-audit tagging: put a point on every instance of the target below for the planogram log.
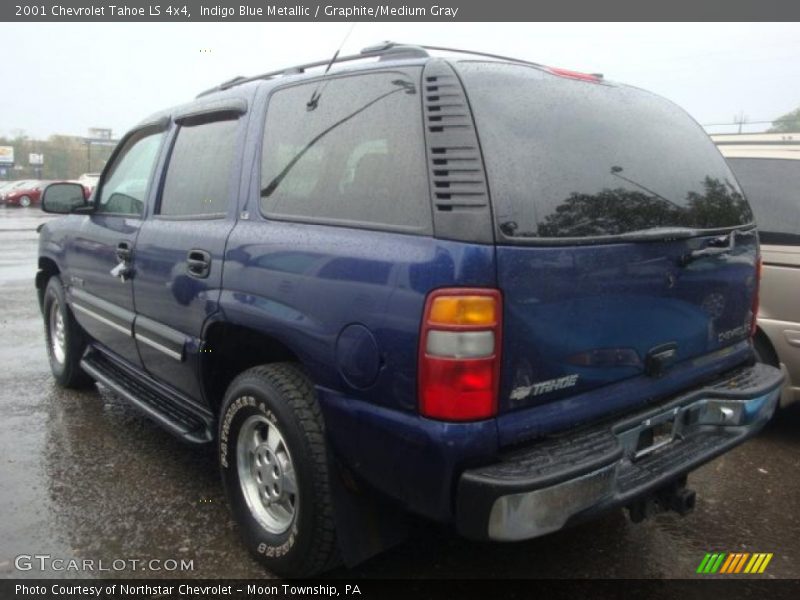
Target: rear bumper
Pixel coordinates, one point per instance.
(575, 475)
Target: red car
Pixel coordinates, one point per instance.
(22, 193)
(28, 192)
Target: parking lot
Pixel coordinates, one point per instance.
(84, 475)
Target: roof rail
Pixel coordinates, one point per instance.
(384, 51)
(484, 54)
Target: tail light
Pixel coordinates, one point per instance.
(459, 354)
(756, 299)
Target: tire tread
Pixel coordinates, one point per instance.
(289, 380)
(72, 376)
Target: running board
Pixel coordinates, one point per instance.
(167, 408)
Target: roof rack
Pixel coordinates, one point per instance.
(384, 51)
(484, 54)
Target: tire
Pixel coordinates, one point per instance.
(66, 341)
(275, 469)
(25, 201)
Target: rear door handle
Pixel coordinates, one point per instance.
(198, 263)
(723, 244)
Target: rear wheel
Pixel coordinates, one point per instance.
(65, 339)
(25, 201)
(274, 465)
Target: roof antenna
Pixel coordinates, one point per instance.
(317, 94)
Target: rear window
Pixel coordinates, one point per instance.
(772, 186)
(571, 159)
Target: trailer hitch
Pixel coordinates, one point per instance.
(672, 497)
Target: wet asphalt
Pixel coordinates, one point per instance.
(84, 475)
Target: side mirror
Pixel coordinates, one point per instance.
(63, 198)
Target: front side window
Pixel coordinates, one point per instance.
(198, 178)
(126, 184)
(356, 157)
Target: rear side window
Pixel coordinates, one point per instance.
(356, 159)
(772, 186)
(571, 159)
(198, 178)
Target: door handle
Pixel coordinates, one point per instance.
(123, 270)
(124, 252)
(198, 263)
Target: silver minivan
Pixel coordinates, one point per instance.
(768, 169)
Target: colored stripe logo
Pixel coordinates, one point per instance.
(734, 562)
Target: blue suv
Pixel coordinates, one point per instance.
(477, 289)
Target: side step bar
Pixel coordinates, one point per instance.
(167, 408)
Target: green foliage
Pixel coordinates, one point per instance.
(788, 123)
(617, 211)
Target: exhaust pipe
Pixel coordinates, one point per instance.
(675, 497)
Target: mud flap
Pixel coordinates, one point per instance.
(366, 523)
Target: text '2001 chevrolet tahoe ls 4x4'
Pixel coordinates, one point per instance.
(479, 290)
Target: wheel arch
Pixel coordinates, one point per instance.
(229, 349)
(47, 268)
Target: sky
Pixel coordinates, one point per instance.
(67, 77)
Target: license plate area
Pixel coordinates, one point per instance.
(654, 434)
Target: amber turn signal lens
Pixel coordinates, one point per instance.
(463, 310)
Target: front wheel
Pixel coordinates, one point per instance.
(274, 464)
(65, 340)
(25, 201)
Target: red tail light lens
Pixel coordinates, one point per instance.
(459, 354)
(756, 299)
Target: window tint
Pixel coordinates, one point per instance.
(569, 159)
(126, 183)
(198, 177)
(357, 158)
(772, 186)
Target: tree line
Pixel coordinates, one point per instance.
(65, 157)
(788, 123)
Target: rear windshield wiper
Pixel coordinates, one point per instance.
(660, 233)
(402, 86)
(723, 244)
